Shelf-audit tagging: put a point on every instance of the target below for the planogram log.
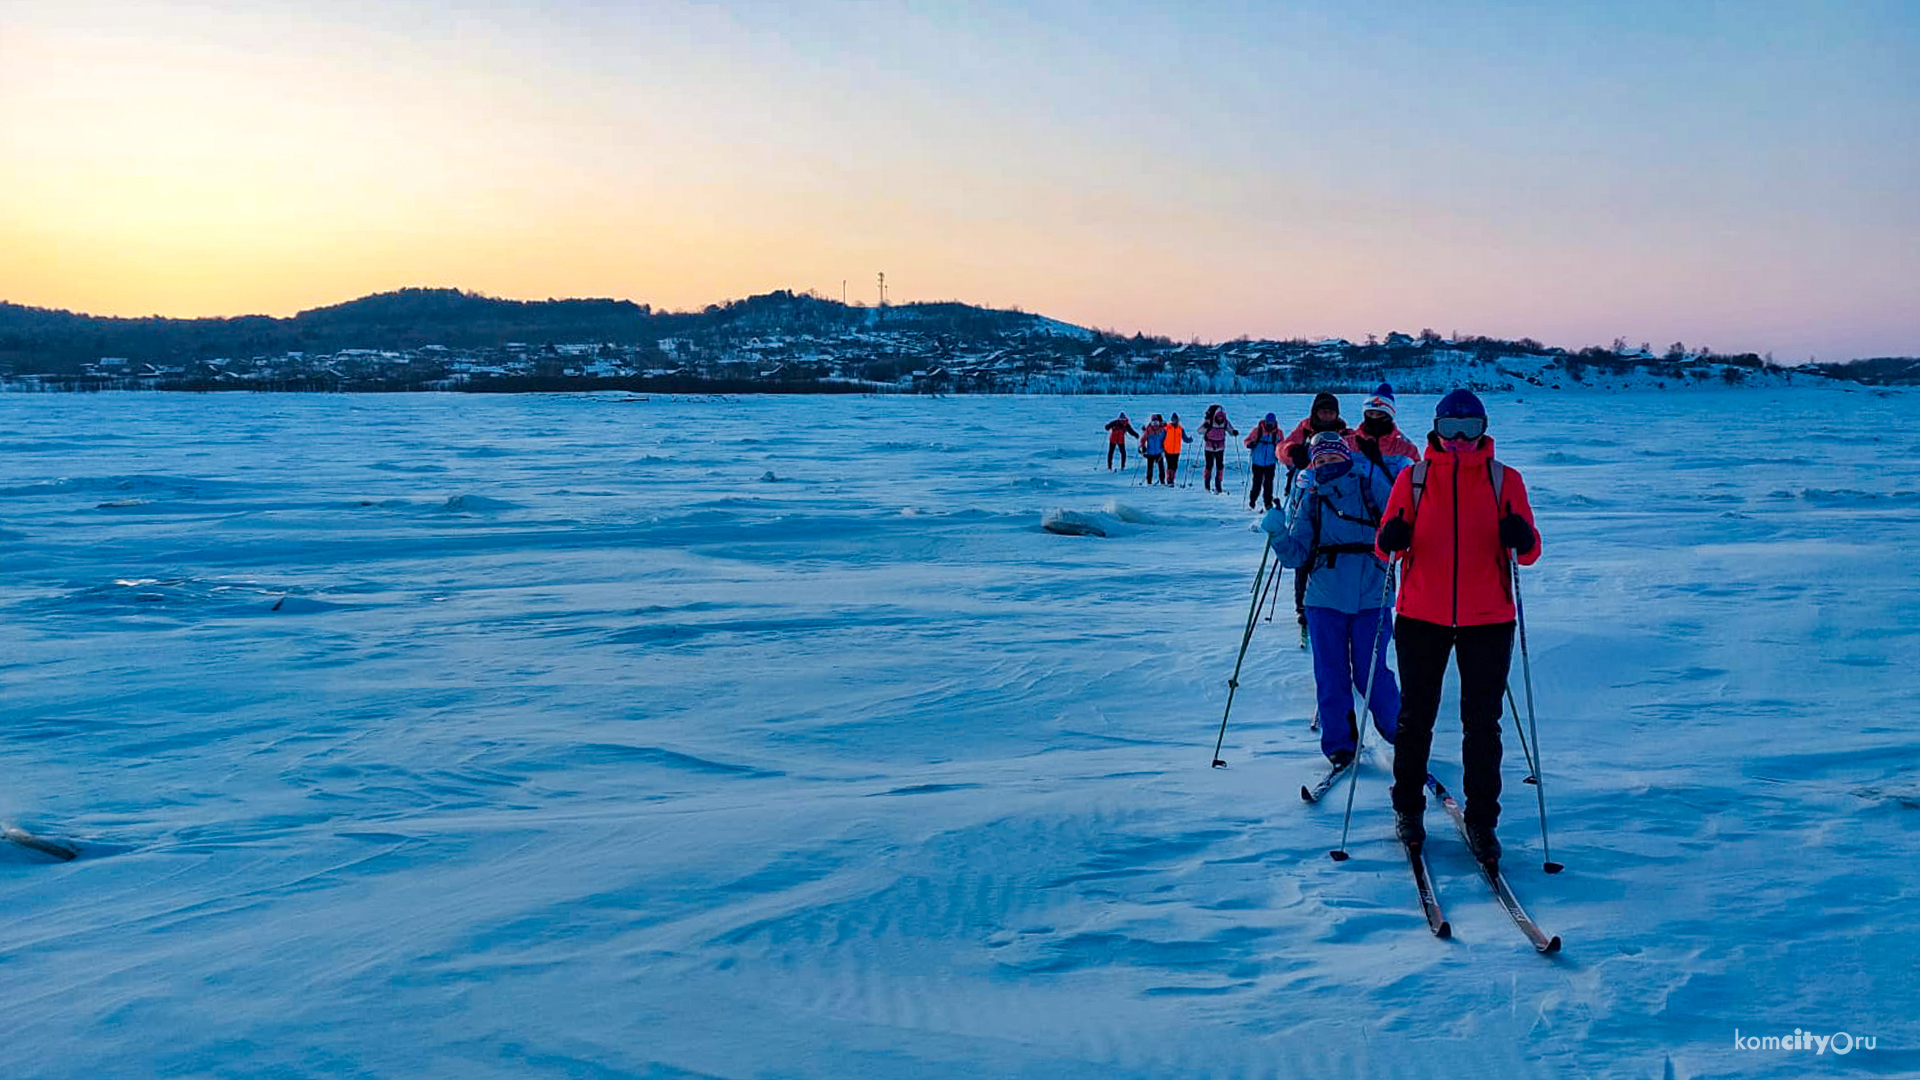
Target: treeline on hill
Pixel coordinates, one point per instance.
(1875, 371)
(38, 339)
(44, 340)
(921, 336)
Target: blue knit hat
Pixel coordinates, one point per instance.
(1460, 404)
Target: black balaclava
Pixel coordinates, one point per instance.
(1325, 401)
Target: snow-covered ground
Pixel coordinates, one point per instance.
(475, 737)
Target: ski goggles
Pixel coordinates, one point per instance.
(1460, 427)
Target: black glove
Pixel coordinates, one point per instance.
(1516, 533)
(1370, 449)
(1395, 535)
(1297, 453)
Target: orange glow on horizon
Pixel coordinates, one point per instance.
(1164, 173)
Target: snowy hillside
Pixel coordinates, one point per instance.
(528, 736)
(787, 342)
(1441, 369)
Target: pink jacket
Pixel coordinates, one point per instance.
(1392, 444)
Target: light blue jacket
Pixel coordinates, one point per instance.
(1265, 445)
(1348, 581)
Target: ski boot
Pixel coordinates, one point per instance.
(1484, 845)
(1410, 828)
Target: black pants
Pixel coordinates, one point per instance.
(1262, 486)
(1482, 654)
(1155, 468)
(1120, 446)
(1215, 471)
(1173, 466)
(1300, 594)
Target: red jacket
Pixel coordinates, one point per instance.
(1455, 574)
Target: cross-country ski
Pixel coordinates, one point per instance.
(1490, 870)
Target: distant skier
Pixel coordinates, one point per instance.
(1264, 442)
(1152, 446)
(1117, 431)
(1378, 439)
(1213, 435)
(1330, 532)
(1324, 416)
(1454, 520)
(1176, 437)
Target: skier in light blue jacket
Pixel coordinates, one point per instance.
(1328, 533)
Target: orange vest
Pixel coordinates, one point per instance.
(1175, 433)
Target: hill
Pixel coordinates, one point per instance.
(57, 341)
(800, 342)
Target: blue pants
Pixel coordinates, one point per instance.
(1340, 643)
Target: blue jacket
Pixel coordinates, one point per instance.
(1346, 510)
(1264, 444)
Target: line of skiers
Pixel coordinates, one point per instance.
(1164, 439)
(1455, 520)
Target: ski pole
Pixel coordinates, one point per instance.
(1275, 605)
(1533, 767)
(1275, 608)
(1233, 683)
(1526, 673)
(1374, 663)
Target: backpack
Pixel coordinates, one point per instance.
(1334, 551)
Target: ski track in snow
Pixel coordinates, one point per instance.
(426, 735)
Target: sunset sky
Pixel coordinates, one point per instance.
(1742, 175)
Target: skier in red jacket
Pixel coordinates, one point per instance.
(1117, 431)
(1454, 524)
